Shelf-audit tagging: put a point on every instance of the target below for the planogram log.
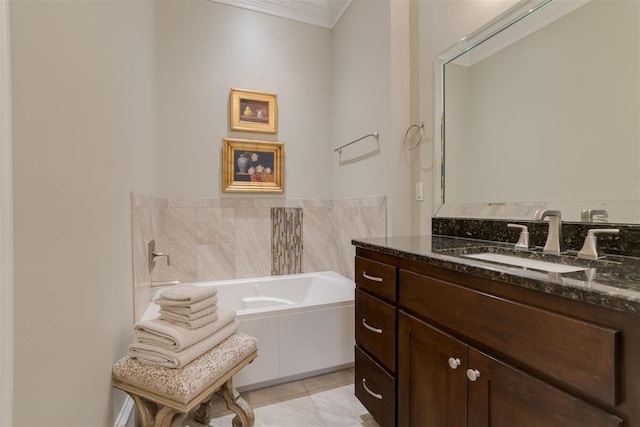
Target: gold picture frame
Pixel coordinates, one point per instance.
(252, 111)
(250, 166)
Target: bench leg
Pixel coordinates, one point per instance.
(155, 415)
(166, 417)
(146, 409)
(204, 413)
(244, 414)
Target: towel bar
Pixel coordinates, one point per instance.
(376, 135)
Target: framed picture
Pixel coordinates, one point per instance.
(253, 111)
(252, 166)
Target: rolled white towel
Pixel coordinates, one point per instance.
(185, 294)
(166, 335)
(188, 308)
(186, 323)
(154, 355)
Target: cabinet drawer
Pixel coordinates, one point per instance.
(376, 328)
(375, 389)
(376, 277)
(581, 355)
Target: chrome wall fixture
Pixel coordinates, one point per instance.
(376, 135)
(407, 139)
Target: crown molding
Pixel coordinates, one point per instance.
(323, 13)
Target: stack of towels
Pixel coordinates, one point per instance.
(189, 324)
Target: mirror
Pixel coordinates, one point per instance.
(541, 109)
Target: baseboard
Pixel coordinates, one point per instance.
(297, 377)
(125, 417)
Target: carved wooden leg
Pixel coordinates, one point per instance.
(205, 411)
(165, 417)
(244, 414)
(146, 409)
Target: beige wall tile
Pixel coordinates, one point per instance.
(216, 262)
(215, 226)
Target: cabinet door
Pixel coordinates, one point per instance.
(432, 384)
(500, 395)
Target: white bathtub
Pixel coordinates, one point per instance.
(304, 324)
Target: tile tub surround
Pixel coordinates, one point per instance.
(218, 239)
(625, 243)
(612, 285)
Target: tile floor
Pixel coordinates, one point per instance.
(323, 401)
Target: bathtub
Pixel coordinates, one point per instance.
(304, 324)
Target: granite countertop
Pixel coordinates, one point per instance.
(613, 281)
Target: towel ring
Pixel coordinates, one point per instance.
(407, 144)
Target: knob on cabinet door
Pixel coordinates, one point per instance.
(454, 362)
(473, 374)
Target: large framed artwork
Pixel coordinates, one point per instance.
(253, 111)
(252, 166)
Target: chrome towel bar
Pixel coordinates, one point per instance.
(373, 134)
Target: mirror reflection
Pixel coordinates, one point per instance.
(547, 110)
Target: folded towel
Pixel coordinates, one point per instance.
(154, 355)
(163, 334)
(189, 308)
(178, 315)
(186, 294)
(178, 320)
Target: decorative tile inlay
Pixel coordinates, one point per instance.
(286, 241)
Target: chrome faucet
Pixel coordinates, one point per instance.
(152, 254)
(554, 244)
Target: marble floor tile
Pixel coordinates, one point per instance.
(297, 412)
(274, 394)
(339, 406)
(324, 401)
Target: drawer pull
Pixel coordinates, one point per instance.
(473, 374)
(376, 395)
(376, 330)
(373, 278)
(454, 362)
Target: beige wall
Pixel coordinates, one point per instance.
(82, 81)
(370, 87)
(6, 226)
(205, 49)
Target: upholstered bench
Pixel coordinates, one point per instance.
(166, 396)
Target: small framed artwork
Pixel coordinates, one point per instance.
(253, 111)
(250, 166)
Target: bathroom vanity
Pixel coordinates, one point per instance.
(443, 339)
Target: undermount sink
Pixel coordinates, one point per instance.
(526, 263)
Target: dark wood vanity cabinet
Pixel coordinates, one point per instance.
(444, 382)
(473, 351)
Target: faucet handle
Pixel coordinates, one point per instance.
(541, 214)
(590, 247)
(152, 254)
(594, 215)
(523, 239)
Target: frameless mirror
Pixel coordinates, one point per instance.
(541, 108)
